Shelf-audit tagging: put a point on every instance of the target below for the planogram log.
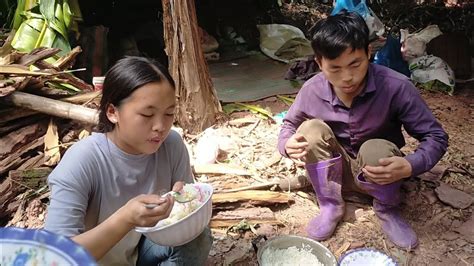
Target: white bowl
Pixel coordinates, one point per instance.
(186, 229)
(366, 256)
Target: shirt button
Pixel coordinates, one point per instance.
(352, 135)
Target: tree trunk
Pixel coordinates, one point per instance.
(198, 105)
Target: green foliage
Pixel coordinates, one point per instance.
(259, 111)
(44, 23)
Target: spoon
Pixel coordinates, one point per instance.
(177, 197)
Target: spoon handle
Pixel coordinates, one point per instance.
(151, 205)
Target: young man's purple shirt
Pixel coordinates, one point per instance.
(388, 102)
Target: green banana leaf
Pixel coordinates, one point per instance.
(286, 100)
(259, 111)
(27, 35)
(45, 23)
(22, 6)
(62, 86)
(35, 32)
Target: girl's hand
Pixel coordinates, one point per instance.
(134, 213)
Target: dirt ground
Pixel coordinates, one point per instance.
(435, 222)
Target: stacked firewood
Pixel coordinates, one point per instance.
(40, 100)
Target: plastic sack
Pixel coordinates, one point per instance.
(207, 147)
(375, 25)
(432, 73)
(414, 44)
(391, 56)
(283, 42)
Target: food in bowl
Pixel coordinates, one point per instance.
(366, 256)
(184, 226)
(289, 256)
(181, 210)
(293, 250)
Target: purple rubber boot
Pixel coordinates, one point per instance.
(386, 202)
(326, 178)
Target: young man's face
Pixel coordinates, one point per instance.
(347, 72)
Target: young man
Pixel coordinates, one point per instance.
(345, 127)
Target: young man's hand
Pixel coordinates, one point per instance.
(296, 149)
(390, 170)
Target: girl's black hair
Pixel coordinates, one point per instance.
(127, 75)
(333, 35)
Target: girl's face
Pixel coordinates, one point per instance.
(144, 119)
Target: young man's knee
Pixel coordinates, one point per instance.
(374, 149)
(315, 130)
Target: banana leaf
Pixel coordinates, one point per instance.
(76, 16)
(286, 100)
(27, 35)
(35, 32)
(44, 25)
(259, 111)
(62, 86)
(22, 6)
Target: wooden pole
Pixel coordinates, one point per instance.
(52, 107)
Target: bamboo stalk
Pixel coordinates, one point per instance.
(83, 98)
(52, 107)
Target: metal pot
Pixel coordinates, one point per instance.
(281, 242)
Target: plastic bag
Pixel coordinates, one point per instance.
(414, 44)
(432, 73)
(283, 42)
(207, 147)
(391, 56)
(375, 25)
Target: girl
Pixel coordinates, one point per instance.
(100, 187)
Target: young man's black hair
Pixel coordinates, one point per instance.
(332, 36)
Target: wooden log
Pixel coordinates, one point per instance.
(52, 107)
(251, 215)
(226, 223)
(219, 169)
(255, 197)
(289, 184)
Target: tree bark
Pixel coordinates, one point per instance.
(198, 106)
